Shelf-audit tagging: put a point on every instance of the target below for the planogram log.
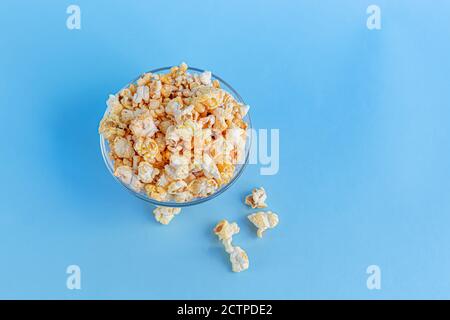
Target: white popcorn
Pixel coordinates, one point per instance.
(205, 78)
(113, 104)
(182, 196)
(263, 221)
(238, 258)
(203, 186)
(257, 198)
(179, 167)
(153, 104)
(146, 147)
(209, 167)
(180, 113)
(136, 161)
(123, 148)
(146, 172)
(136, 184)
(127, 115)
(221, 116)
(236, 136)
(225, 230)
(174, 134)
(142, 94)
(177, 160)
(208, 121)
(124, 173)
(165, 214)
(143, 126)
(163, 180)
(243, 109)
(176, 187)
(180, 172)
(155, 88)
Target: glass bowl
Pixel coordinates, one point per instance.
(239, 168)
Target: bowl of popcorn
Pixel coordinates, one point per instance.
(176, 136)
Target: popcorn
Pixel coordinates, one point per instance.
(165, 214)
(114, 104)
(142, 94)
(238, 258)
(205, 78)
(175, 108)
(257, 198)
(182, 196)
(156, 192)
(163, 180)
(175, 136)
(143, 126)
(179, 167)
(210, 168)
(136, 184)
(127, 115)
(203, 187)
(146, 172)
(124, 173)
(146, 147)
(225, 230)
(243, 109)
(111, 126)
(123, 148)
(263, 221)
(226, 171)
(176, 187)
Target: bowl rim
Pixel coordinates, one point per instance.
(196, 201)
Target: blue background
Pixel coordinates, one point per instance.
(364, 153)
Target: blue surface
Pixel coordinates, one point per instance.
(365, 149)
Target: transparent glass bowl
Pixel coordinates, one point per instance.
(239, 168)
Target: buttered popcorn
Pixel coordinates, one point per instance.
(175, 136)
(257, 199)
(263, 221)
(238, 257)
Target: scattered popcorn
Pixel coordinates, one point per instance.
(238, 258)
(257, 199)
(263, 221)
(225, 230)
(165, 214)
(175, 136)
